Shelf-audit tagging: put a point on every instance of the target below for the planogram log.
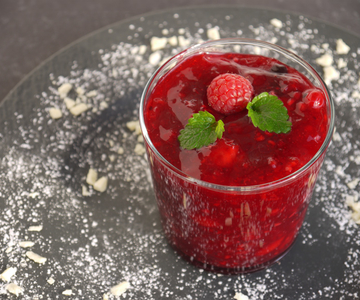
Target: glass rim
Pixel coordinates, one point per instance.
(252, 42)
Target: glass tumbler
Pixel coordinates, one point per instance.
(233, 229)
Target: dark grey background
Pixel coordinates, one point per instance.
(33, 30)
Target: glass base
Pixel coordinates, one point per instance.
(232, 271)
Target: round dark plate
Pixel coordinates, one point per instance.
(95, 242)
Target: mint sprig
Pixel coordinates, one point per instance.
(201, 130)
(269, 113)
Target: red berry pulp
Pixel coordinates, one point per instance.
(220, 228)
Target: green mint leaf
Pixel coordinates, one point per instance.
(269, 113)
(201, 130)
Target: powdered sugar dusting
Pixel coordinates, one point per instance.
(94, 242)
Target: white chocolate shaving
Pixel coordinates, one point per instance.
(64, 89)
(139, 149)
(8, 273)
(142, 49)
(101, 184)
(14, 289)
(67, 292)
(341, 47)
(119, 289)
(213, 33)
(352, 184)
(173, 41)
(91, 176)
(26, 244)
(106, 296)
(120, 150)
(325, 60)
(36, 257)
(84, 191)
(183, 42)
(91, 94)
(158, 43)
(140, 139)
(155, 58)
(35, 228)
(80, 91)
(341, 63)
(33, 195)
(240, 296)
(134, 126)
(103, 105)
(79, 109)
(69, 102)
(354, 204)
(51, 281)
(355, 94)
(330, 74)
(55, 113)
(276, 23)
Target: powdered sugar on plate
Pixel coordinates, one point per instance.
(94, 241)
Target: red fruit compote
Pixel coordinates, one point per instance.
(235, 205)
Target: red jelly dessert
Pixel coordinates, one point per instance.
(237, 204)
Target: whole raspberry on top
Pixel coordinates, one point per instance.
(229, 93)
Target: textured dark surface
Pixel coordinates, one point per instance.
(315, 268)
(33, 30)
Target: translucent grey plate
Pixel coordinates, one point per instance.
(94, 242)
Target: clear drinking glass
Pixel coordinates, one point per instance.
(233, 229)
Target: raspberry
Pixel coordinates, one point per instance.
(229, 93)
(315, 98)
